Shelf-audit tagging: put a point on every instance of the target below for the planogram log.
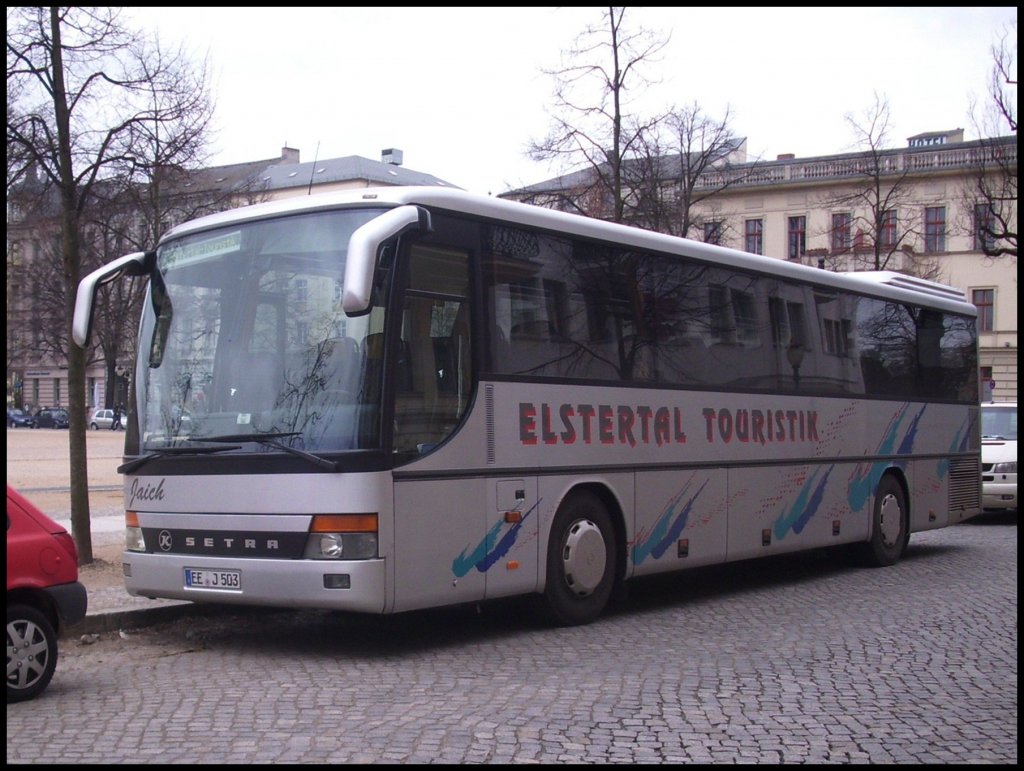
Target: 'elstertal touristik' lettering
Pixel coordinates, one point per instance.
(630, 425)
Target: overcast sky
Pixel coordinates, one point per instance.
(462, 93)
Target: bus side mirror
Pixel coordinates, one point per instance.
(135, 264)
(364, 247)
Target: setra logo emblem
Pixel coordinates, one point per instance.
(165, 540)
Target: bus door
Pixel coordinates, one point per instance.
(439, 515)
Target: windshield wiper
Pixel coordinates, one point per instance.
(130, 466)
(270, 440)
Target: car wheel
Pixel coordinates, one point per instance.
(94, 427)
(581, 560)
(31, 652)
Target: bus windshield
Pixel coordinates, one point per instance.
(244, 334)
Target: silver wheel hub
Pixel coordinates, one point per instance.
(583, 557)
(26, 654)
(890, 520)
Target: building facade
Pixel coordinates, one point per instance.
(913, 210)
(810, 210)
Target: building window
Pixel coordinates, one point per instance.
(984, 224)
(745, 314)
(984, 301)
(787, 322)
(841, 225)
(837, 336)
(935, 229)
(797, 237)
(713, 232)
(753, 240)
(718, 311)
(887, 238)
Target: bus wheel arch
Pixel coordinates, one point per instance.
(584, 556)
(890, 521)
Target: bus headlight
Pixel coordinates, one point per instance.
(1005, 468)
(342, 537)
(332, 545)
(133, 540)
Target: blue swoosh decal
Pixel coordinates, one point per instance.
(866, 475)
(491, 548)
(668, 527)
(959, 444)
(908, 440)
(804, 507)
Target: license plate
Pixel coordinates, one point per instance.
(230, 580)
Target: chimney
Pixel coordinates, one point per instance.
(391, 156)
(289, 155)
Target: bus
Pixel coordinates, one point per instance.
(402, 398)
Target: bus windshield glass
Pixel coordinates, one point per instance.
(244, 334)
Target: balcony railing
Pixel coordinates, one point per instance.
(990, 155)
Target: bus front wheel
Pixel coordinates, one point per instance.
(581, 560)
(890, 525)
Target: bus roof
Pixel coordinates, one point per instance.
(889, 284)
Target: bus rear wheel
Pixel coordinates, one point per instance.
(890, 525)
(580, 561)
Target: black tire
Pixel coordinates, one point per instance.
(890, 525)
(31, 653)
(94, 427)
(580, 561)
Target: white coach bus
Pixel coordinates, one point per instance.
(402, 398)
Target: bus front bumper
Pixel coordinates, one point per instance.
(356, 585)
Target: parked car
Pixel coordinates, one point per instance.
(18, 418)
(999, 456)
(51, 417)
(44, 595)
(104, 419)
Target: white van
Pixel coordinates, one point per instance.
(999, 455)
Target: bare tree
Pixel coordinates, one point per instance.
(683, 162)
(990, 200)
(871, 234)
(85, 88)
(591, 130)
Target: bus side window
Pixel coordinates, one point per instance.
(432, 363)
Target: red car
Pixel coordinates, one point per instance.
(44, 595)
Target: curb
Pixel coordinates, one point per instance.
(138, 618)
